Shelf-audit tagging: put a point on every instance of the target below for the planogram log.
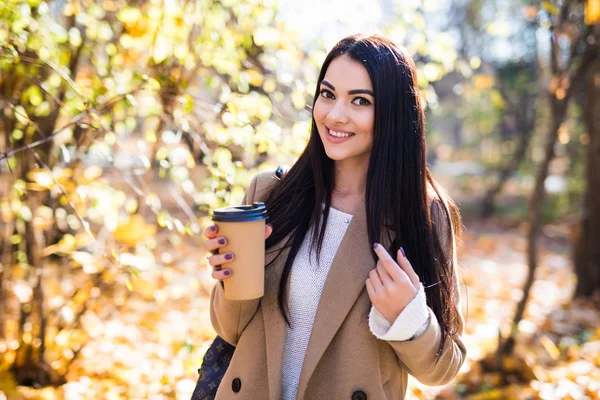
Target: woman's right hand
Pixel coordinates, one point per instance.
(214, 242)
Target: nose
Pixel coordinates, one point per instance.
(338, 113)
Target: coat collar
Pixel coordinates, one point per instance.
(344, 283)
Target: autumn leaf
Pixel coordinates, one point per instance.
(592, 12)
(134, 231)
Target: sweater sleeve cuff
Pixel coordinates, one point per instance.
(411, 322)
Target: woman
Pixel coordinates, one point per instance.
(360, 286)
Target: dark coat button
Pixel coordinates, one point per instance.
(359, 395)
(236, 385)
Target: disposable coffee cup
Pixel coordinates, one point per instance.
(244, 228)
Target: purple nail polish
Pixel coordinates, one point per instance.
(228, 256)
(222, 241)
(375, 245)
(403, 253)
(213, 228)
(227, 272)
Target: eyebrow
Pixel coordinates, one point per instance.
(355, 91)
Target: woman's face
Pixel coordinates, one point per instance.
(344, 111)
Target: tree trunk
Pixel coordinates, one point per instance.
(35, 244)
(6, 261)
(571, 76)
(526, 126)
(587, 249)
(534, 212)
(524, 111)
(29, 367)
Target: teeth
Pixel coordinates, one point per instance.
(339, 134)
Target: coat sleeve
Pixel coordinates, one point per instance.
(229, 318)
(420, 356)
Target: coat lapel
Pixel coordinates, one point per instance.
(345, 281)
(273, 320)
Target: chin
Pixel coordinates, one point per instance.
(335, 155)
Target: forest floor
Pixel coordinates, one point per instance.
(147, 341)
(152, 346)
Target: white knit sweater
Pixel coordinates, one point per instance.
(306, 284)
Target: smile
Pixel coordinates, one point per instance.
(338, 137)
(340, 134)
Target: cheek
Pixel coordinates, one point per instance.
(366, 123)
(319, 111)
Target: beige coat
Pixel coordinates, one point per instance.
(343, 360)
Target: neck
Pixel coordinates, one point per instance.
(350, 178)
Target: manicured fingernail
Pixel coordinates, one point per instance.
(375, 245)
(227, 272)
(213, 228)
(228, 256)
(403, 253)
(222, 241)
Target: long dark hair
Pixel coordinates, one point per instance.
(400, 192)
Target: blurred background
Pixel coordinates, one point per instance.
(124, 123)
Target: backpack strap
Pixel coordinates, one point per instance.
(281, 171)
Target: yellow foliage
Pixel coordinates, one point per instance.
(483, 82)
(550, 347)
(255, 78)
(134, 230)
(42, 177)
(497, 100)
(489, 395)
(592, 12)
(92, 173)
(8, 385)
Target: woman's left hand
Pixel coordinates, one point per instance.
(391, 286)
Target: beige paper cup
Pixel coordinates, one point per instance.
(244, 228)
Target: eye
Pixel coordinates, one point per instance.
(326, 93)
(361, 101)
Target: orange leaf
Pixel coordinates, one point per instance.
(134, 230)
(592, 12)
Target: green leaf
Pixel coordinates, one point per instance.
(33, 94)
(43, 110)
(15, 239)
(58, 34)
(21, 115)
(17, 134)
(9, 54)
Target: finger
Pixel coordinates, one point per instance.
(390, 265)
(268, 230)
(219, 259)
(386, 279)
(211, 231)
(214, 244)
(382, 252)
(370, 289)
(407, 268)
(221, 274)
(376, 280)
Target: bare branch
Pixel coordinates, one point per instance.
(56, 69)
(46, 139)
(31, 123)
(84, 223)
